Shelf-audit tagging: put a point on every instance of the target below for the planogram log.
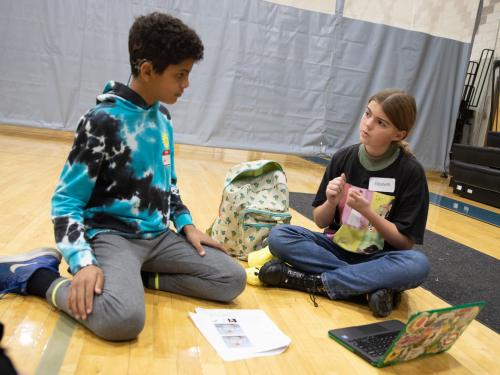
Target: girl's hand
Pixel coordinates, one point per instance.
(357, 201)
(334, 189)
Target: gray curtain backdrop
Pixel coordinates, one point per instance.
(274, 78)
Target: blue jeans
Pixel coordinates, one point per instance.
(346, 274)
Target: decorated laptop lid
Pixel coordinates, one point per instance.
(430, 332)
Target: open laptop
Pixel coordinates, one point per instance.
(392, 341)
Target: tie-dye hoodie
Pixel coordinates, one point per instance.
(119, 177)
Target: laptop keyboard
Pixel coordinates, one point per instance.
(375, 345)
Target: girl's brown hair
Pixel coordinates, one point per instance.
(400, 108)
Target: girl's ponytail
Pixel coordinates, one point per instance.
(405, 147)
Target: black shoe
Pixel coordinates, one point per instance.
(277, 273)
(396, 299)
(381, 302)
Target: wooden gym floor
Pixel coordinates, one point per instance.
(42, 340)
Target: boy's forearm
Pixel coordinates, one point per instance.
(71, 242)
(182, 221)
(77, 258)
(68, 202)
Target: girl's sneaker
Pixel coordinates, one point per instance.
(381, 302)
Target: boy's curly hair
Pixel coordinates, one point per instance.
(163, 40)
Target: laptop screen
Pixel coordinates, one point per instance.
(431, 332)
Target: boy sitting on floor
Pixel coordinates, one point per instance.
(117, 195)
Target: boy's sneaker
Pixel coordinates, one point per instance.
(278, 273)
(383, 301)
(16, 270)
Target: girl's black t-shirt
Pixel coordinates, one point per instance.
(411, 194)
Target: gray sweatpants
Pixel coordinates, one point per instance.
(175, 266)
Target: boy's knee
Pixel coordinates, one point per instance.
(125, 324)
(236, 281)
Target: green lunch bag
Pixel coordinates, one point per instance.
(254, 199)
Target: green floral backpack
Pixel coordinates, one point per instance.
(254, 199)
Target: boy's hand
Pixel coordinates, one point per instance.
(335, 188)
(357, 201)
(87, 281)
(197, 238)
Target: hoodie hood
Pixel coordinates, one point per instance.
(114, 90)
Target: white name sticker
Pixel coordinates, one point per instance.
(165, 157)
(384, 185)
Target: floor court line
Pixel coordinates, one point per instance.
(55, 351)
(466, 209)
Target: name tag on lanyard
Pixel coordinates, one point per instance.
(383, 185)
